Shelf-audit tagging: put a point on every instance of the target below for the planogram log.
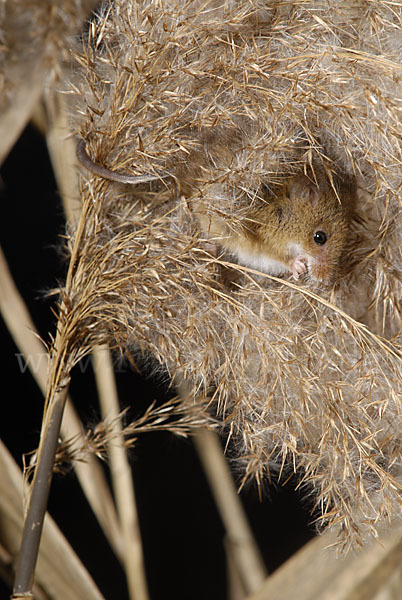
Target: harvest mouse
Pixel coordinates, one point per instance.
(303, 229)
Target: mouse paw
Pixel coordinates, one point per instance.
(210, 247)
(298, 266)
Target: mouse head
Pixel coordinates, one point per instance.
(319, 226)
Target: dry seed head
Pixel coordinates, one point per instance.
(238, 96)
(35, 36)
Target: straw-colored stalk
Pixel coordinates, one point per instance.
(240, 540)
(121, 476)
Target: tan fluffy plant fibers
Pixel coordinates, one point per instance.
(34, 36)
(225, 101)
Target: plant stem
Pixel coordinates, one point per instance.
(244, 548)
(39, 497)
(121, 477)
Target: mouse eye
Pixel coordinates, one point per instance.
(320, 237)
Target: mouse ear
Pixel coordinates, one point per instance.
(301, 188)
(313, 193)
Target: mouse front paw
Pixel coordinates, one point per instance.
(298, 266)
(211, 247)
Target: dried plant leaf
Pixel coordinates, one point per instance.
(316, 572)
(59, 571)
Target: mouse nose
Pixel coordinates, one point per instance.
(320, 268)
(321, 271)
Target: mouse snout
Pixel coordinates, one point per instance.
(322, 267)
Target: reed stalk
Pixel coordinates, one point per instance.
(240, 539)
(122, 480)
(29, 549)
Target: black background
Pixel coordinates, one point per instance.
(181, 529)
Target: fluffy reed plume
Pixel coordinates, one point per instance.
(174, 416)
(35, 38)
(224, 101)
(34, 32)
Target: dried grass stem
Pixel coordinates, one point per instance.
(33, 524)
